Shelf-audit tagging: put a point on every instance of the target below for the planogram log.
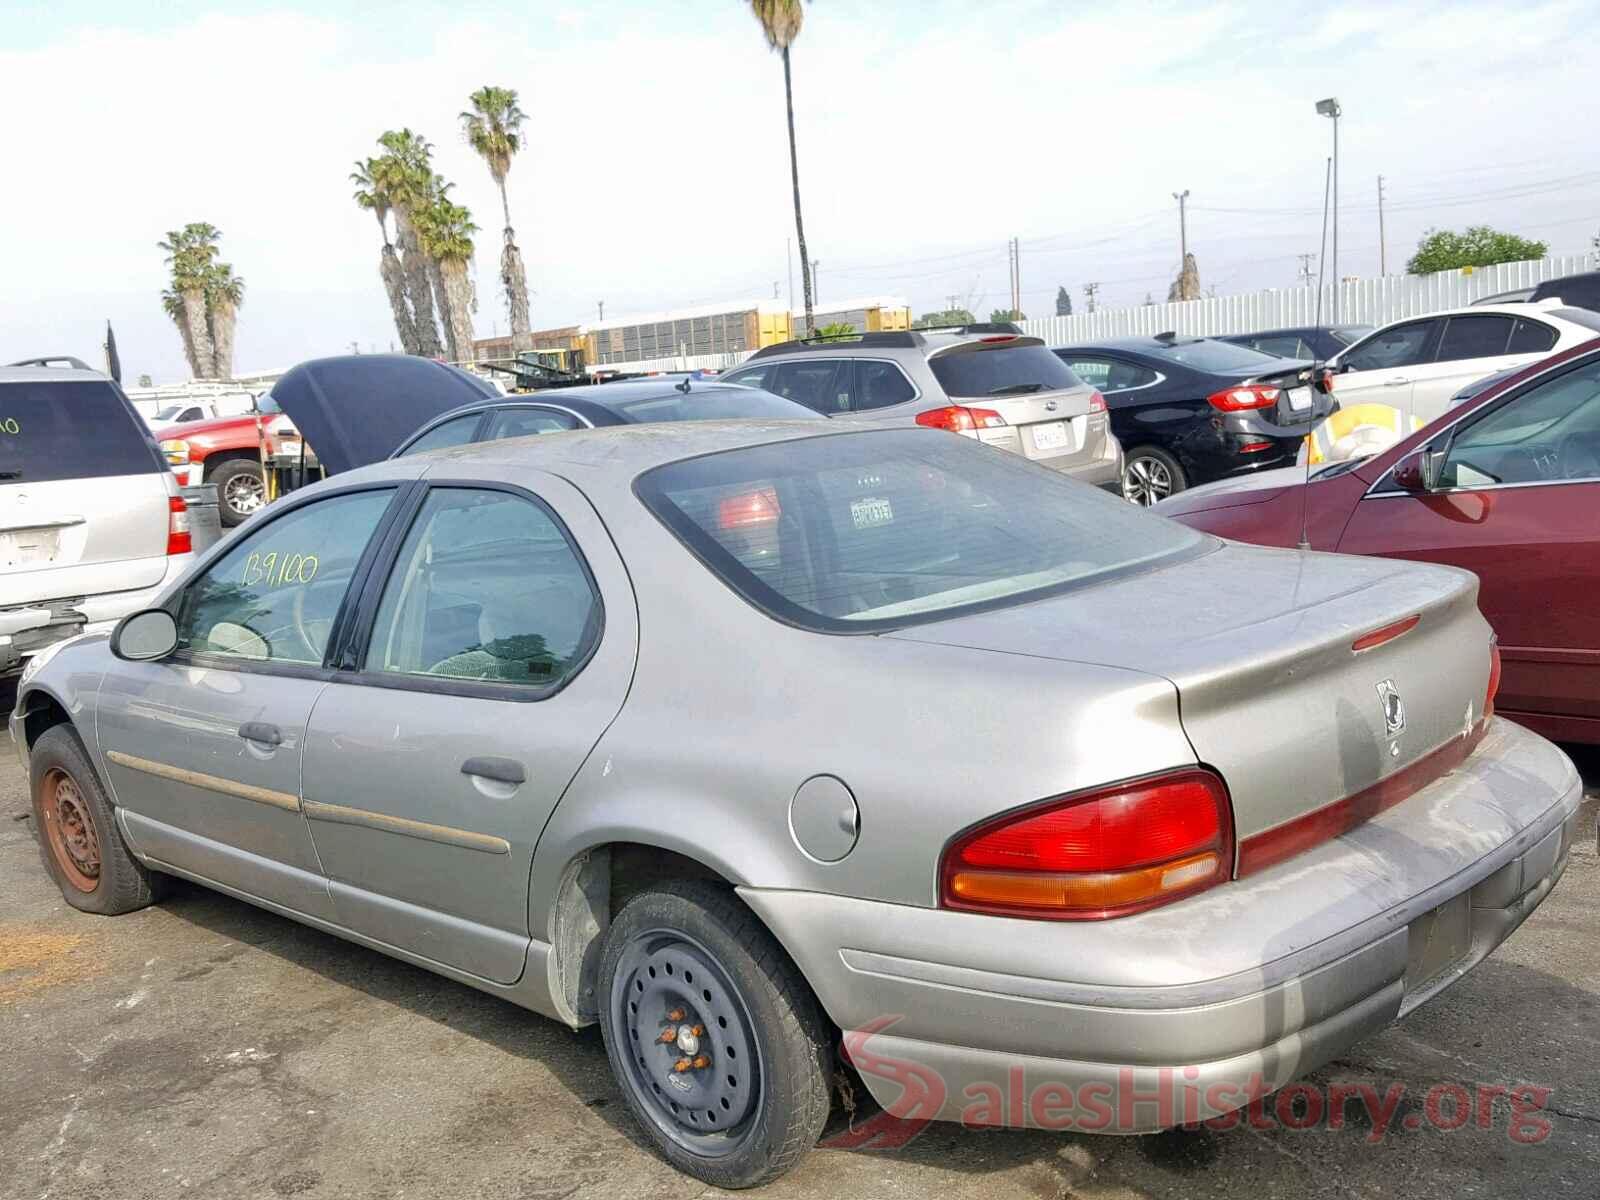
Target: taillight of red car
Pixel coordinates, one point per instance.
(1494, 677)
(960, 419)
(1103, 853)
(1244, 397)
(178, 539)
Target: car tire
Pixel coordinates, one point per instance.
(82, 848)
(241, 490)
(753, 1099)
(1150, 475)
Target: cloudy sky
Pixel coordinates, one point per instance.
(656, 175)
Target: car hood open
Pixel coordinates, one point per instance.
(356, 409)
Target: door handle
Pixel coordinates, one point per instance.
(262, 732)
(502, 770)
(1397, 381)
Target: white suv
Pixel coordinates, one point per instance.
(1417, 365)
(92, 525)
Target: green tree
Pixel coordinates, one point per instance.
(493, 127)
(224, 294)
(1063, 302)
(370, 194)
(1477, 246)
(445, 231)
(837, 329)
(1007, 314)
(405, 173)
(945, 316)
(203, 299)
(780, 21)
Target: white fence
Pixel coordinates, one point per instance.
(1361, 302)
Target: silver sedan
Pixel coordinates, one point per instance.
(741, 739)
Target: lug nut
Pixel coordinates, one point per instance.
(698, 1031)
(701, 1062)
(676, 1014)
(668, 1035)
(681, 1065)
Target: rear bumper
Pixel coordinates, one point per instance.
(1190, 1011)
(30, 628)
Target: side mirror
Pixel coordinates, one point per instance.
(1420, 470)
(142, 636)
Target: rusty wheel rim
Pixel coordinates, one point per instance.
(70, 831)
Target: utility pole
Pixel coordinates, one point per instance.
(602, 310)
(1014, 253)
(1331, 108)
(1305, 269)
(1383, 250)
(774, 289)
(1183, 228)
(1089, 289)
(816, 293)
(788, 254)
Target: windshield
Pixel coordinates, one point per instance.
(1207, 355)
(875, 530)
(70, 430)
(987, 369)
(265, 403)
(721, 402)
(171, 411)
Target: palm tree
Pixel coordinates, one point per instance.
(224, 295)
(370, 195)
(446, 231)
(405, 175)
(780, 21)
(190, 253)
(493, 127)
(172, 304)
(438, 191)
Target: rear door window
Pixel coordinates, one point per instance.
(1401, 346)
(1282, 346)
(71, 429)
(978, 369)
(457, 432)
(822, 385)
(1474, 337)
(881, 385)
(1111, 375)
(520, 422)
(1531, 337)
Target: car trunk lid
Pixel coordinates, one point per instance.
(1044, 405)
(1261, 646)
(1299, 405)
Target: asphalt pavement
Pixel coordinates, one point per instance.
(206, 1047)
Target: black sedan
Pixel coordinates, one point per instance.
(627, 403)
(1192, 410)
(1319, 342)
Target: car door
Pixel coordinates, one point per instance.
(1380, 368)
(1470, 347)
(203, 748)
(457, 431)
(494, 645)
(1518, 504)
(1142, 410)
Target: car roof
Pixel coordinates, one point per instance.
(51, 375)
(587, 397)
(1137, 345)
(878, 344)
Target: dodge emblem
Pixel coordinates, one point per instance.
(1394, 709)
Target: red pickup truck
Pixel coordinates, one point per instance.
(227, 451)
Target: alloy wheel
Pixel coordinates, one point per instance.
(687, 1039)
(70, 832)
(1146, 481)
(244, 494)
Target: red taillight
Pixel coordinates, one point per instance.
(1246, 396)
(1097, 402)
(958, 419)
(1254, 447)
(178, 540)
(1494, 677)
(748, 508)
(1371, 641)
(1105, 853)
(1324, 381)
(999, 337)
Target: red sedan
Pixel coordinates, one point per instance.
(1507, 485)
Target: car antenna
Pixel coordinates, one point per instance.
(684, 386)
(1319, 377)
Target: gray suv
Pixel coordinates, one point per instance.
(91, 523)
(985, 381)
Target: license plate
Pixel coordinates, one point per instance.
(1436, 941)
(874, 510)
(1300, 398)
(1051, 436)
(28, 547)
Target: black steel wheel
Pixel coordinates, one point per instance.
(714, 1036)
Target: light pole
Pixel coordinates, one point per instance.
(1330, 108)
(1183, 229)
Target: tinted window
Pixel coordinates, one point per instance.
(1550, 432)
(881, 529)
(1282, 346)
(520, 422)
(275, 594)
(822, 385)
(1474, 337)
(1531, 337)
(987, 369)
(750, 377)
(713, 402)
(485, 587)
(1111, 375)
(881, 384)
(1401, 346)
(70, 430)
(457, 432)
(1204, 354)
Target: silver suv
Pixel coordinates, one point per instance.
(986, 381)
(91, 522)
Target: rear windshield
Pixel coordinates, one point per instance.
(70, 430)
(875, 530)
(1206, 354)
(722, 403)
(1000, 371)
